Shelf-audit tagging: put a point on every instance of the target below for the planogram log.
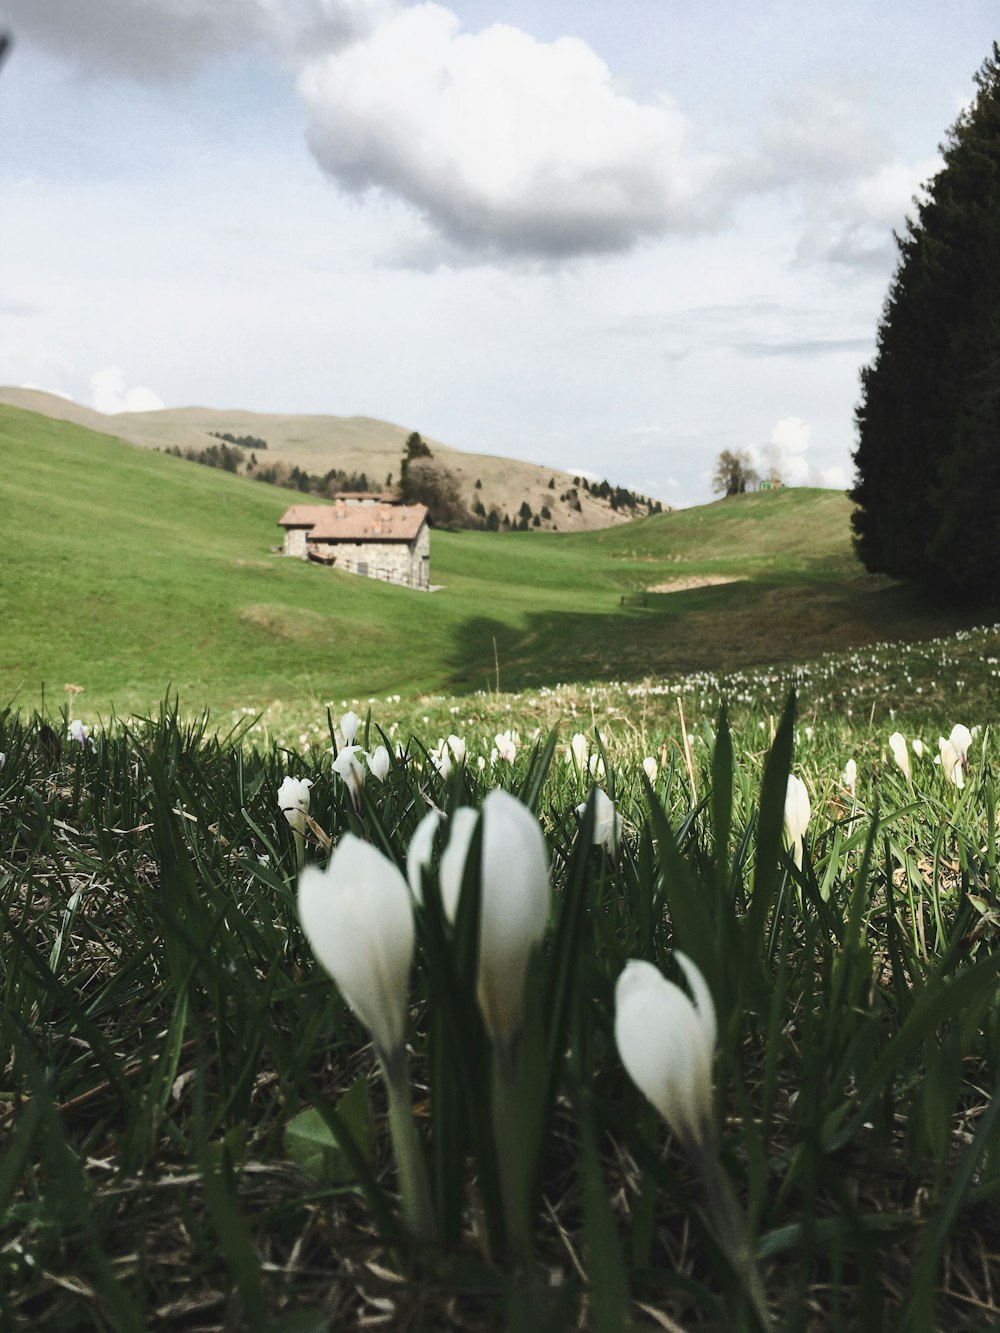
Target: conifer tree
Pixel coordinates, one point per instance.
(928, 455)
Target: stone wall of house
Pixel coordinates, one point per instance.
(295, 542)
(396, 562)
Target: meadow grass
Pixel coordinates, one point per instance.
(126, 571)
(195, 1130)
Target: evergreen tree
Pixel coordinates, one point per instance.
(928, 455)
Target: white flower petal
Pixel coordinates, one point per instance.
(418, 854)
(667, 1044)
(357, 917)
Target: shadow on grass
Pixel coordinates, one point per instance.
(719, 629)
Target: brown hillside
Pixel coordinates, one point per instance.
(353, 444)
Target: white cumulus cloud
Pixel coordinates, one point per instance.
(110, 396)
(785, 454)
(503, 143)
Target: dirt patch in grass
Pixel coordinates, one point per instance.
(689, 581)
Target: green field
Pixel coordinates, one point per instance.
(126, 571)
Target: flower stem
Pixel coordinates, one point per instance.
(411, 1167)
(729, 1226)
(506, 1127)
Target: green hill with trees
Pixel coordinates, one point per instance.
(127, 571)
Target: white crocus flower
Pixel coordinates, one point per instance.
(651, 768)
(797, 814)
(917, 746)
(951, 762)
(897, 744)
(849, 777)
(667, 1044)
(358, 920)
(578, 750)
(607, 821)
(441, 759)
(78, 732)
(378, 763)
(349, 770)
(514, 901)
(506, 745)
(961, 739)
(349, 725)
(458, 748)
(293, 802)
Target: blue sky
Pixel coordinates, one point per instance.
(609, 237)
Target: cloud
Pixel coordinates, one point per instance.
(56, 393)
(853, 227)
(504, 144)
(806, 347)
(785, 454)
(823, 134)
(168, 39)
(854, 190)
(110, 395)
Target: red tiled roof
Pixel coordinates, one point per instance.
(302, 516)
(386, 523)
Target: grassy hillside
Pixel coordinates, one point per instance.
(125, 570)
(353, 444)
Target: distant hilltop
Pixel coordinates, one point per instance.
(351, 446)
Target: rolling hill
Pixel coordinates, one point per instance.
(353, 444)
(126, 571)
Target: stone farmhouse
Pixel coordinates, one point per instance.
(363, 534)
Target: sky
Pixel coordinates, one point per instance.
(610, 236)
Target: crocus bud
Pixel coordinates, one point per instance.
(441, 759)
(951, 762)
(347, 768)
(514, 901)
(78, 732)
(578, 749)
(357, 917)
(667, 1043)
(506, 746)
(849, 777)
(378, 763)
(917, 746)
(897, 744)
(961, 739)
(607, 821)
(650, 767)
(349, 725)
(458, 748)
(797, 813)
(293, 801)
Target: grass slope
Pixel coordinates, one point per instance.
(125, 570)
